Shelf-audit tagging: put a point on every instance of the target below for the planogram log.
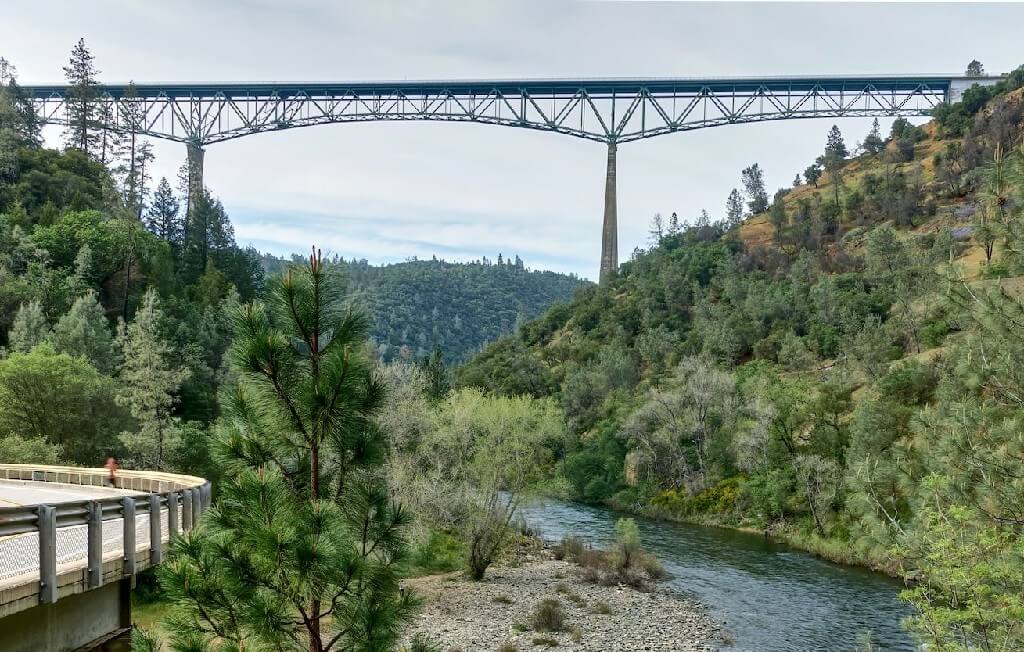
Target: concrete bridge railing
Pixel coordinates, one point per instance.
(52, 551)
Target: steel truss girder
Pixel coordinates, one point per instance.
(599, 110)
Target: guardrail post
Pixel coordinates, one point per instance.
(172, 515)
(197, 506)
(95, 544)
(47, 554)
(156, 551)
(186, 510)
(128, 513)
(205, 492)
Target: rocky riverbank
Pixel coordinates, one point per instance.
(496, 615)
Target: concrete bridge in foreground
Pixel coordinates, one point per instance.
(71, 545)
(609, 111)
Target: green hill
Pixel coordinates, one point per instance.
(842, 370)
(421, 305)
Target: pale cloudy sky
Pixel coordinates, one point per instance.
(389, 191)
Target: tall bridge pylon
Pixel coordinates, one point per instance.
(609, 111)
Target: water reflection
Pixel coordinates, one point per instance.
(770, 597)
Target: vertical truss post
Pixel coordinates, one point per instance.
(610, 231)
(196, 154)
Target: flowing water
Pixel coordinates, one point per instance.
(770, 597)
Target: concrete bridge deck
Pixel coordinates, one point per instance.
(71, 545)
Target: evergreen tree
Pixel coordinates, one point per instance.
(127, 170)
(82, 132)
(303, 545)
(734, 208)
(162, 216)
(975, 69)
(19, 126)
(150, 378)
(438, 378)
(873, 143)
(796, 181)
(753, 182)
(84, 332)
(29, 327)
(673, 224)
(834, 159)
(835, 147)
(812, 174)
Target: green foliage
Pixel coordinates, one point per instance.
(85, 332)
(304, 523)
(151, 377)
(62, 400)
(420, 306)
(548, 616)
(18, 450)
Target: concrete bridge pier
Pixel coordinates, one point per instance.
(196, 154)
(610, 230)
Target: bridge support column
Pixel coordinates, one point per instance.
(610, 231)
(196, 154)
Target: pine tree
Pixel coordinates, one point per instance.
(82, 132)
(84, 332)
(812, 174)
(673, 224)
(975, 69)
(753, 182)
(29, 327)
(162, 216)
(873, 143)
(835, 147)
(734, 208)
(796, 181)
(150, 379)
(303, 546)
(834, 159)
(19, 125)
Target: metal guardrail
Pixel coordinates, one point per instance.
(72, 535)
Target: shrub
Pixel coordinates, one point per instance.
(569, 548)
(508, 647)
(545, 640)
(501, 598)
(601, 608)
(420, 643)
(548, 616)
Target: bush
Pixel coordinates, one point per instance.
(601, 608)
(548, 616)
(421, 643)
(508, 647)
(569, 548)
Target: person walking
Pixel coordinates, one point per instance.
(112, 468)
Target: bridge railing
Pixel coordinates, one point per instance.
(48, 551)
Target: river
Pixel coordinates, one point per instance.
(770, 597)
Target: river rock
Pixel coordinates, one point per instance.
(462, 615)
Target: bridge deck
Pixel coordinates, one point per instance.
(25, 493)
(19, 553)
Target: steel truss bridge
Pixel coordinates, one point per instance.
(610, 111)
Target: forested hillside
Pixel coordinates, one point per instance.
(420, 306)
(839, 365)
(114, 294)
